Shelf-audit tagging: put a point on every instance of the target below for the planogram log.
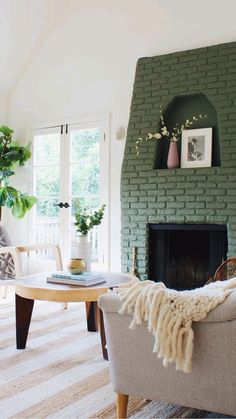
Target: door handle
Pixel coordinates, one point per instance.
(61, 205)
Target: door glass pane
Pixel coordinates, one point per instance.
(46, 149)
(85, 177)
(85, 145)
(47, 221)
(46, 207)
(86, 202)
(47, 181)
(46, 188)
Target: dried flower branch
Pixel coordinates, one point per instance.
(164, 133)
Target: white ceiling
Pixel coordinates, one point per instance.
(24, 24)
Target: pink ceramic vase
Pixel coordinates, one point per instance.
(173, 156)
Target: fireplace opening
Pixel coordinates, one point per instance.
(185, 256)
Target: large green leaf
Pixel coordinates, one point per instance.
(12, 191)
(18, 202)
(17, 208)
(12, 153)
(11, 195)
(6, 173)
(28, 201)
(3, 197)
(22, 204)
(5, 131)
(25, 154)
(5, 163)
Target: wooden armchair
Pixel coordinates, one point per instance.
(15, 252)
(8, 278)
(226, 270)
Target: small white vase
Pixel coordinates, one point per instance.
(84, 250)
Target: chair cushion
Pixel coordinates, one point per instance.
(7, 270)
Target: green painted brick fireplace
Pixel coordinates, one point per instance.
(185, 196)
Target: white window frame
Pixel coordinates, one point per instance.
(103, 121)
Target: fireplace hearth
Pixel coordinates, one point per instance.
(185, 256)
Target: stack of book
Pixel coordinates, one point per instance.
(85, 279)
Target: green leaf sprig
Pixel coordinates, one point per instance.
(86, 220)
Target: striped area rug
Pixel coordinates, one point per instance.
(61, 373)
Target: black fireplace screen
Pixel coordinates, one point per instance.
(185, 256)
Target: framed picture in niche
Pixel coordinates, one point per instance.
(196, 148)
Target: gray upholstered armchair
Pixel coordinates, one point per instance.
(136, 371)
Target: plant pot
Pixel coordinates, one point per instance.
(84, 250)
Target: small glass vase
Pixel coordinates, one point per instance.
(173, 156)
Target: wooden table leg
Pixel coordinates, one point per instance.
(103, 335)
(95, 322)
(91, 313)
(24, 308)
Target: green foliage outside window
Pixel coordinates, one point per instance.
(85, 172)
(85, 169)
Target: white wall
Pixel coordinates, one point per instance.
(3, 121)
(86, 65)
(3, 108)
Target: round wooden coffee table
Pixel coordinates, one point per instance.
(36, 287)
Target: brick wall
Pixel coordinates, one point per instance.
(203, 195)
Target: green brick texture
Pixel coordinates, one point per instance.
(202, 195)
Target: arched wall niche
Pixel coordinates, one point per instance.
(177, 111)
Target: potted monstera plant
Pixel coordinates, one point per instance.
(12, 154)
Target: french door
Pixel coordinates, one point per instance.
(70, 164)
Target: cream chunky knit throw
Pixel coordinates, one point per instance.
(169, 315)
